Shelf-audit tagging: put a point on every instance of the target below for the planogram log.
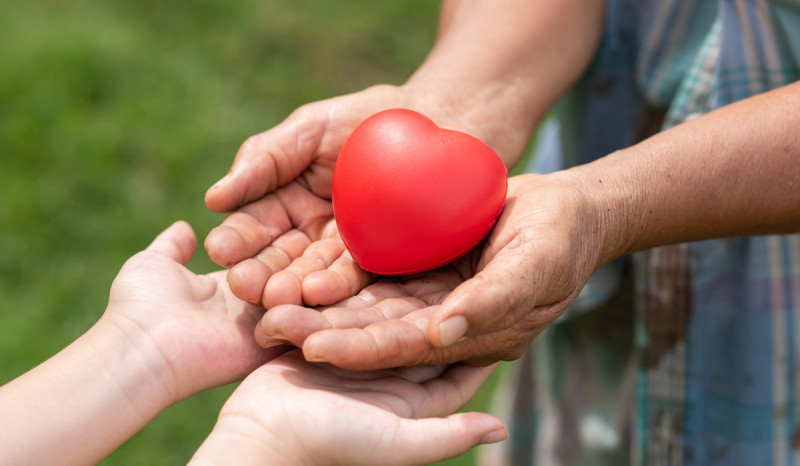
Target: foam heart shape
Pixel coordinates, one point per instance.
(409, 196)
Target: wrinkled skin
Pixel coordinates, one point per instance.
(280, 188)
(284, 252)
(520, 280)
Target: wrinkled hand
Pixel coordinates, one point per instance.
(485, 307)
(189, 329)
(280, 182)
(291, 411)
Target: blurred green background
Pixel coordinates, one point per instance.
(116, 117)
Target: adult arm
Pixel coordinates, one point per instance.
(500, 66)
(495, 69)
(734, 171)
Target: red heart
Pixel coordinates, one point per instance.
(409, 196)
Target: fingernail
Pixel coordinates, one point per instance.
(315, 358)
(495, 436)
(452, 329)
(273, 343)
(221, 181)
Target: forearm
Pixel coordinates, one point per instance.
(734, 171)
(500, 65)
(80, 405)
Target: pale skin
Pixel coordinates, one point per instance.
(291, 411)
(168, 333)
(731, 172)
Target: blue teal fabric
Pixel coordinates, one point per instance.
(700, 362)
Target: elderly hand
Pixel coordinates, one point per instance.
(280, 182)
(485, 307)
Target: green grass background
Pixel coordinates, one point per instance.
(116, 116)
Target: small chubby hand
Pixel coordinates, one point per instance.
(189, 329)
(290, 411)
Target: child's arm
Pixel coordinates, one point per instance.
(166, 334)
(81, 404)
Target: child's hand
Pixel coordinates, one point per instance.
(166, 334)
(189, 329)
(291, 411)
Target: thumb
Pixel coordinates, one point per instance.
(177, 242)
(269, 160)
(430, 440)
(494, 299)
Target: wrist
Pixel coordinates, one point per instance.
(497, 113)
(242, 441)
(133, 365)
(500, 67)
(136, 364)
(609, 209)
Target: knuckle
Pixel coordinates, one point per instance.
(250, 144)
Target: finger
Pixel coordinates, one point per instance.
(346, 279)
(387, 343)
(403, 342)
(269, 160)
(381, 301)
(246, 232)
(430, 440)
(453, 389)
(432, 287)
(496, 298)
(288, 323)
(285, 286)
(371, 296)
(437, 390)
(341, 280)
(177, 242)
(263, 340)
(419, 374)
(248, 278)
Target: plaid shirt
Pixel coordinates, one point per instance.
(686, 354)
